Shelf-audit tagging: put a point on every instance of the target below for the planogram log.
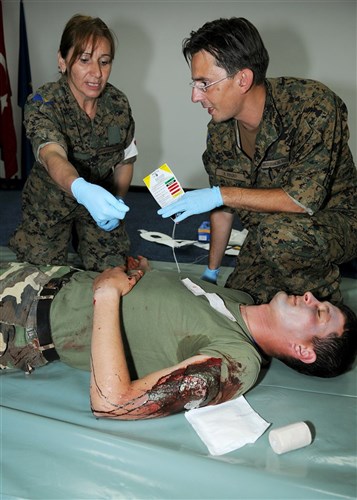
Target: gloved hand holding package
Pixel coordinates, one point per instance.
(106, 210)
(193, 203)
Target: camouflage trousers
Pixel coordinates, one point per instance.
(295, 253)
(20, 287)
(48, 221)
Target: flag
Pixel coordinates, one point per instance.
(7, 129)
(24, 88)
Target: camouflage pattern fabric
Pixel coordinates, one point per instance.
(295, 253)
(20, 285)
(301, 147)
(94, 148)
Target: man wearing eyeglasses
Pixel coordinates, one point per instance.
(277, 156)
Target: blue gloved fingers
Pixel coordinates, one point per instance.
(172, 209)
(122, 206)
(181, 216)
(113, 223)
(107, 211)
(210, 275)
(218, 200)
(192, 203)
(117, 208)
(109, 225)
(101, 204)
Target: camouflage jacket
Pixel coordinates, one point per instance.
(301, 147)
(94, 147)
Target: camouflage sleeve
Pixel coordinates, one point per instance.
(42, 122)
(319, 145)
(124, 117)
(130, 136)
(311, 135)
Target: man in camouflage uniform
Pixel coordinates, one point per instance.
(82, 133)
(277, 156)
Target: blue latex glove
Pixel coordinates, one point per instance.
(109, 225)
(105, 209)
(193, 202)
(210, 275)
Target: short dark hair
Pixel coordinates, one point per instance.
(334, 354)
(79, 30)
(235, 44)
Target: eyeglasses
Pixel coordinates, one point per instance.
(203, 86)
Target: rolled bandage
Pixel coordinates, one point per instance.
(289, 438)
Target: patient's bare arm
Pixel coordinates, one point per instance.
(191, 383)
(191, 386)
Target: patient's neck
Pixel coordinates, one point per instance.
(259, 323)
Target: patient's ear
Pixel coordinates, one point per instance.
(304, 353)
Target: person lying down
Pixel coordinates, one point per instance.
(157, 345)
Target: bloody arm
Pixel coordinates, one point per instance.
(191, 383)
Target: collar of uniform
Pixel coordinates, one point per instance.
(270, 127)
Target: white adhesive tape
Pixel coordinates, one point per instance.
(289, 438)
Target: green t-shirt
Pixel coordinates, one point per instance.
(164, 323)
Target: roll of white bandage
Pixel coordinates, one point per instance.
(291, 437)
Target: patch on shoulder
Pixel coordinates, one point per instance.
(39, 98)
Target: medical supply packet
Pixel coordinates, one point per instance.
(163, 185)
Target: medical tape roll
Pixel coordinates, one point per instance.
(289, 438)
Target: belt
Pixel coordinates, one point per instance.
(45, 299)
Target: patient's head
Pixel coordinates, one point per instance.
(335, 352)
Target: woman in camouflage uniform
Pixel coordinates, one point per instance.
(82, 133)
